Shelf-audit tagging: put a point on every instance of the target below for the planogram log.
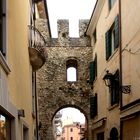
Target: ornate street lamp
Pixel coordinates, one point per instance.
(109, 79)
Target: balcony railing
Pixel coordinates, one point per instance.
(37, 50)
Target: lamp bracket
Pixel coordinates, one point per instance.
(126, 89)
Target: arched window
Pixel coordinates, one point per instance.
(114, 134)
(71, 66)
(71, 74)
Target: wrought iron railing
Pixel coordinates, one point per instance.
(37, 48)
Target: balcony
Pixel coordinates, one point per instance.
(37, 50)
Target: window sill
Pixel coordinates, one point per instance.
(4, 64)
(113, 106)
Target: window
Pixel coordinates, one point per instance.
(111, 3)
(71, 66)
(100, 136)
(71, 138)
(94, 36)
(25, 133)
(71, 130)
(4, 128)
(112, 38)
(3, 27)
(115, 89)
(114, 134)
(71, 74)
(93, 70)
(93, 106)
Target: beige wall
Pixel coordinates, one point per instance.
(131, 128)
(130, 46)
(105, 110)
(104, 22)
(19, 84)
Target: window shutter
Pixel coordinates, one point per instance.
(93, 106)
(116, 26)
(108, 44)
(95, 65)
(92, 71)
(109, 3)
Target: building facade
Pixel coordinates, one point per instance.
(114, 32)
(71, 132)
(17, 121)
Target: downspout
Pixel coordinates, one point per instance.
(36, 113)
(120, 65)
(120, 53)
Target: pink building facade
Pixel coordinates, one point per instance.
(72, 132)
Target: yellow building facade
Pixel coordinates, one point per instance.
(114, 32)
(17, 102)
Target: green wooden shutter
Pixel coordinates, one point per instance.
(95, 65)
(108, 44)
(92, 71)
(93, 106)
(109, 4)
(116, 27)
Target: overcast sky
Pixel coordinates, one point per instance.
(74, 114)
(69, 9)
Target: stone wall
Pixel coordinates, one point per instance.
(54, 92)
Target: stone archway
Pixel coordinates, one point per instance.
(72, 108)
(53, 90)
(56, 103)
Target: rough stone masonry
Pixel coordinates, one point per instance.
(54, 92)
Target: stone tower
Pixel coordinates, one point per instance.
(54, 91)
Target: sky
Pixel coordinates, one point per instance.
(74, 114)
(69, 9)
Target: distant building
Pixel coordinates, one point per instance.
(67, 121)
(73, 131)
(57, 124)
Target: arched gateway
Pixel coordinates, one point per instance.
(66, 117)
(53, 89)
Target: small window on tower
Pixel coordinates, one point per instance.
(71, 66)
(71, 74)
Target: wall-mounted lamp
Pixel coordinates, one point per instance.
(21, 113)
(109, 79)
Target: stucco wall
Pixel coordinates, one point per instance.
(102, 22)
(19, 79)
(130, 49)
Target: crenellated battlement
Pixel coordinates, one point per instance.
(63, 34)
(63, 28)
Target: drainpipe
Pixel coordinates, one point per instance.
(120, 53)
(36, 112)
(120, 64)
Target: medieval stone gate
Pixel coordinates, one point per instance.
(54, 91)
